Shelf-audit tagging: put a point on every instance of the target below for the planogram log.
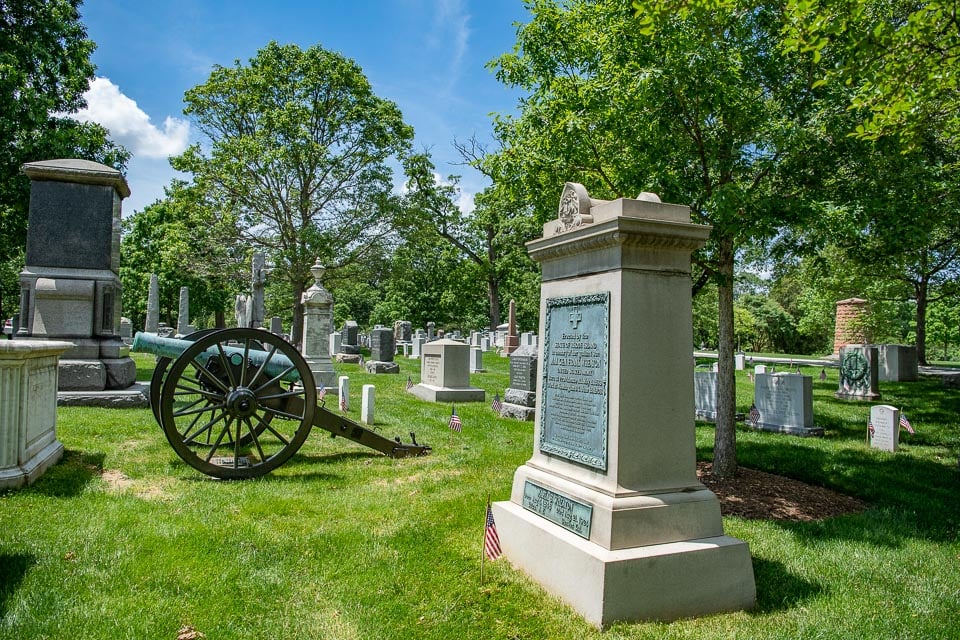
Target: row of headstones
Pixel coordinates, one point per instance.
(783, 402)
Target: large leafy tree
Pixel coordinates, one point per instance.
(490, 237)
(702, 108)
(298, 150)
(45, 69)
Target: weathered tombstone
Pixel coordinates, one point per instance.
(70, 287)
(760, 368)
(418, 342)
(785, 404)
(183, 315)
(402, 331)
(350, 338)
(367, 403)
(153, 305)
(520, 398)
(485, 343)
(317, 324)
(476, 360)
(28, 409)
(445, 374)
(126, 330)
(705, 394)
(276, 326)
(608, 514)
(898, 363)
(859, 373)
(335, 341)
(511, 341)
(382, 351)
(884, 427)
(242, 311)
(431, 329)
(739, 362)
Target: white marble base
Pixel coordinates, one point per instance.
(431, 393)
(657, 582)
(30, 470)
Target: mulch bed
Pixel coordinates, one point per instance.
(756, 495)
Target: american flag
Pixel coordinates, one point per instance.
(455, 424)
(344, 403)
(497, 405)
(361, 360)
(823, 374)
(906, 423)
(491, 540)
(409, 383)
(321, 392)
(870, 427)
(754, 414)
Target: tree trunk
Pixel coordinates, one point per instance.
(219, 319)
(493, 297)
(296, 327)
(725, 435)
(921, 291)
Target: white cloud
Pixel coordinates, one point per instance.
(129, 125)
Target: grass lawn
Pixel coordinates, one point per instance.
(123, 540)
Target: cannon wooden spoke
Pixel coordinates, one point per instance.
(247, 429)
(238, 403)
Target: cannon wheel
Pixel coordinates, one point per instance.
(160, 374)
(225, 417)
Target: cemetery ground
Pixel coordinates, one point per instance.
(124, 540)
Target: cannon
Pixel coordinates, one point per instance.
(238, 403)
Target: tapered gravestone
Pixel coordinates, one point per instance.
(382, 351)
(183, 316)
(70, 287)
(608, 513)
(153, 305)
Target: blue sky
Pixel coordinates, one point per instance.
(428, 56)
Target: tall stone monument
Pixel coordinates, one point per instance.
(317, 324)
(183, 315)
(512, 340)
(608, 513)
(153, 305)
(70, 287)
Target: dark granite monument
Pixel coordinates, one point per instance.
(520, 398)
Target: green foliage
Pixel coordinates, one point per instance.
(177, 239)
(298, 156)
(44, 70)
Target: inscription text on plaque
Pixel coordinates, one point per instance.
(559, 509)
(574, 379)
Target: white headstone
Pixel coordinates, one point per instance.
(418, 342)
(476, 359)
(705, 394)
(885, 423)
(445, 373)
(367, 404)
(760, 368)
(739, 361)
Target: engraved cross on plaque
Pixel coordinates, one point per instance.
(575, 317)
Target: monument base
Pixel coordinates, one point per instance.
(136, 396)
(96, 375)
(805, 432)
(380, 366)
(30, 470)
(857, 397)
(431, 393)
(518, 412)
(660, 582)
(348, 358)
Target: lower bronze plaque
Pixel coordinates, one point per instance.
(559, 509)
(574, 379)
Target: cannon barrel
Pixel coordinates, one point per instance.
(172, 348)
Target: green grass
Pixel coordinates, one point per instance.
(123, 540)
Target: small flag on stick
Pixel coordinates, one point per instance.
(870, 427)
(906, 423)
(344, 405)
(409, 383)
(497, 405)
(321, 392)
(491, 540)
(754, 414)
(823, 374)
(455, 424)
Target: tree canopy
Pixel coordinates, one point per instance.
(298, 150)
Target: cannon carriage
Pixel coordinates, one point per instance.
(238, 403)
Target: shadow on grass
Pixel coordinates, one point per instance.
(778, 589)
(67, 478)
(13, 568)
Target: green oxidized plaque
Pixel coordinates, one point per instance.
(854, 371)
(574, 378)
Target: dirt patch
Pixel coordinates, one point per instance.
(757, 495)
(120, 483)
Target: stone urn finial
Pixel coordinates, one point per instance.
(317, 270)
